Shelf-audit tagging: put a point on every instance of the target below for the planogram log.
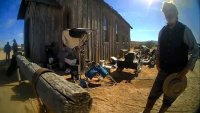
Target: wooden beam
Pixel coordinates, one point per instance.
(57, 94)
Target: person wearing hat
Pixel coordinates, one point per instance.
(175, 42)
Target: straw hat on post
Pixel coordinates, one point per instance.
(173, 86)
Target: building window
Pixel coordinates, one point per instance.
(124, 39)
(128, 39)
(66, 20)
(105, 29)
(116, 32)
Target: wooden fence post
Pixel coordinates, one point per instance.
(57, 94)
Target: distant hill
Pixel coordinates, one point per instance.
(149, 44)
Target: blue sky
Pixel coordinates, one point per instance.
(10, 27)
(145, 17)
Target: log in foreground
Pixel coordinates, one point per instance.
(57, 94)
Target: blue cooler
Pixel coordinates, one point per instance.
(103, 71)
(91, 73)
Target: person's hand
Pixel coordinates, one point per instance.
(158, 64)
(158, 67)
(183, 73)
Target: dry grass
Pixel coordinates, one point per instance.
(130, 97)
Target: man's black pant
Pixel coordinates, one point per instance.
(7, 56)
(157, 89)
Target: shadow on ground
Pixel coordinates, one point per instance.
(121, 76)
(23, 92)
(92, 85)
(3, 78)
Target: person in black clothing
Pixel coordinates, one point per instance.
(7, 50)
(73, 63)
(50, 53)
(14, 47)
(174, 43)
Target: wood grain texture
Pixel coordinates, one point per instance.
(47, 24)
(57, 94)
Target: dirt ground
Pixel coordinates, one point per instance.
(14, 98)
(128, 96)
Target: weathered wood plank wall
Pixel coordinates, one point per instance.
(47, 24)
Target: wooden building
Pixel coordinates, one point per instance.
(44, 21)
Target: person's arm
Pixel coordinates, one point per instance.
(158, 52)
(4, 49)
(190, 41)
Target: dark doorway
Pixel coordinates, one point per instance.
(27, 38)
(66, 19)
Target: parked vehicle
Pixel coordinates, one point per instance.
(131, 60)
(149, 58)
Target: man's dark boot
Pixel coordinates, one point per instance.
(149, 106)
(163, 108)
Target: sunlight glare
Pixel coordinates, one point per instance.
(150, 2)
